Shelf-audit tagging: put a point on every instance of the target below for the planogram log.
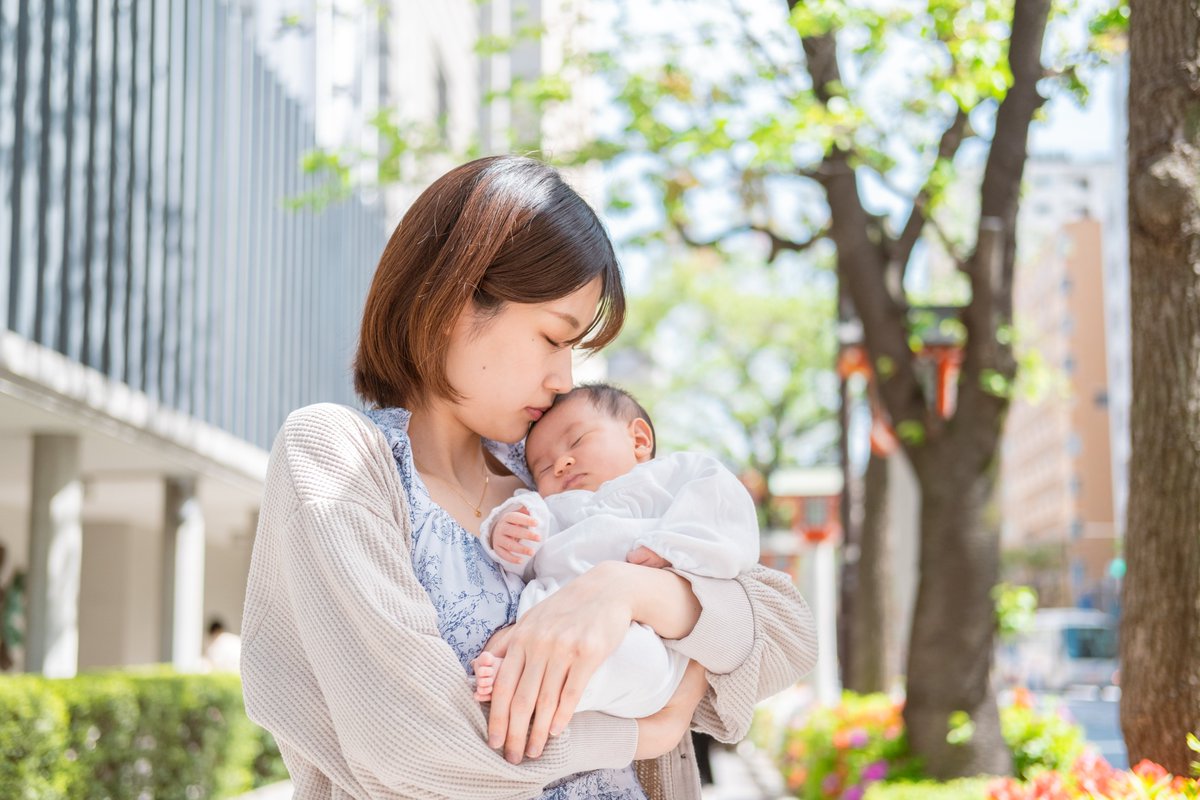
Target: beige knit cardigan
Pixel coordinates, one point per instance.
(342, 660)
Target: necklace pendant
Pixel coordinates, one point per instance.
(478, 513)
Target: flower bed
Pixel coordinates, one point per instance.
(841, 752)
(858, 751)
(1093, 778)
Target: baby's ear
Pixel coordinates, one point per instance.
(643, 440)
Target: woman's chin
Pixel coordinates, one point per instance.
(509, 434)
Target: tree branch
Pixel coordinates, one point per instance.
(757, 45)
(862, 263)
(991, 266)
(779, 243)
(952, 138)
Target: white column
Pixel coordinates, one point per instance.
(55, 557)
(183, 575)
(823, 579)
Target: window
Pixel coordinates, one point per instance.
(1090, 642)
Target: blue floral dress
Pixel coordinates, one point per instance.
(473, 597)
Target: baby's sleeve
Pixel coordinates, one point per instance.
(536, 506)
(710, 527)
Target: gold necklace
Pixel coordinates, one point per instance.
(476, 507)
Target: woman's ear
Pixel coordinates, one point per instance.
(643, 440)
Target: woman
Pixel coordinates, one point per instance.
(369, 591)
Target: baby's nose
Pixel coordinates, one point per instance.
(562, 464)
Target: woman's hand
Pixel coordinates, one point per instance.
(552, 653)
(555, 648)
(661, 732)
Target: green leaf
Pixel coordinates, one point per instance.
(962, 728)
(911, 432)
(995, 384)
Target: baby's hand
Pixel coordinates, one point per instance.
(646, 557)
(510, 532)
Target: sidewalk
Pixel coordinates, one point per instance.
(744, 774)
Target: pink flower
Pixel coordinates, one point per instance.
(859, 738)
(854, 793)
(875, 771)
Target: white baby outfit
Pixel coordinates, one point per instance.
(686, 507)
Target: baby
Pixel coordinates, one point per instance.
(603, 496)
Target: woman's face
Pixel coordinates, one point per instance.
(508, 367)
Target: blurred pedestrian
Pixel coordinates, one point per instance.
(223, 652)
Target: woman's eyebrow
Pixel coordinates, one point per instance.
(569, 319)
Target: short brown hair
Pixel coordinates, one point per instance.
(495, 230)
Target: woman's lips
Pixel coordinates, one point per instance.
(534, 413)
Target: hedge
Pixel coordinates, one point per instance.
(130, 735)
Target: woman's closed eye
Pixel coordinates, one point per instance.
(557, 345)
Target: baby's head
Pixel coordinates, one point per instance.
(591, 434)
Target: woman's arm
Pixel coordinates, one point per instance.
(756, 636)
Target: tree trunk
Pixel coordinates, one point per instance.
(954, 621)
(1160, 627)
(870, 624)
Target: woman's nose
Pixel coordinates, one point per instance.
(560, 380)
(564, 463)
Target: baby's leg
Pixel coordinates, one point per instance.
(486, 667)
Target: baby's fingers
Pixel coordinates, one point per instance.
(520, 518)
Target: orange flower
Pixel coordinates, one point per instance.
(1149, 770)
(1022, 697)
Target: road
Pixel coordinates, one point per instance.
(1098, 714)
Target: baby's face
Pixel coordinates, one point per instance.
(576, 446)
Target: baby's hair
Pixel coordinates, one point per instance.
(613, 401)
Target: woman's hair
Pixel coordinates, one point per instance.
(495, 230)
(614, 402)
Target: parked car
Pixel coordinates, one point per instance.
(1063, 647)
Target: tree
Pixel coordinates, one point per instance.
(816, 111)
(736, 360)
(1160, 627)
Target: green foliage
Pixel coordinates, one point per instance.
(128, 735)
(961, 728)
(963, 789)
(1039, 739)
(33, 738)
(1015, 606)
(911, 432)
(743, 358)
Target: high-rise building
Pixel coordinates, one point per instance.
(1058, 506)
